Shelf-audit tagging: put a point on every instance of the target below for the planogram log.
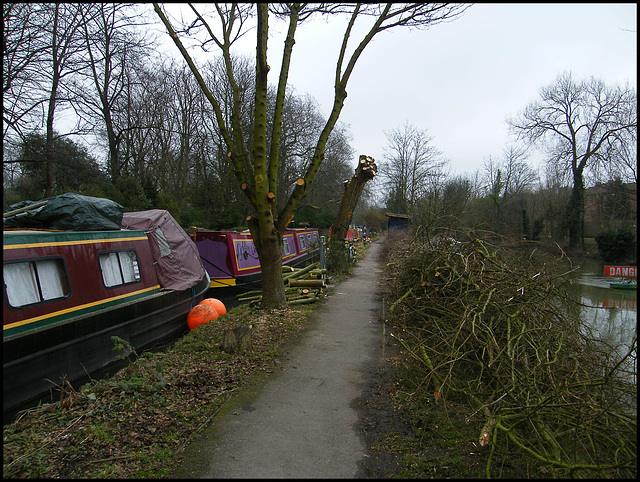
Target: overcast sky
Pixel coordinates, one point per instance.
(460, 80)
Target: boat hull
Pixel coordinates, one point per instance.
(623, 286)
(34, 362)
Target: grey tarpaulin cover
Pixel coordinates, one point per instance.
(68, 212)
(178, 263)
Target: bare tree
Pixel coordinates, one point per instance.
(411, 163)
(301, 125)
(113, 46)
(43, 51)
(581, 122)
(257, 165)
(64, 44)
(505, 182)
(24, 47)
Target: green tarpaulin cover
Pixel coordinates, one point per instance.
(68, 212)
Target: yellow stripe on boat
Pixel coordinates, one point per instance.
(70, 243)
(76, 308)
(216, 283)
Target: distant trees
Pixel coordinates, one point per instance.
(411, 166)
(159, 133)
(617, 203)
(449, 203)
(168, 143)
(50, 48)
(76, 169)
(584, 125)
(36, 77)
(506, 181)
(114, 50)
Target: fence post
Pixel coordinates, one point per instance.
(323, 251)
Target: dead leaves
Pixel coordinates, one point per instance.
(146, 411)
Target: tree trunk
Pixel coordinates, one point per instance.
(574, 215)
(353, 188)
(273, 294)
(237, 340)
(266, 237)
(114, 161)
(49, 148)
(269, 248)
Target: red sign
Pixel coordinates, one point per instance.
(621, 271)
(619, 303)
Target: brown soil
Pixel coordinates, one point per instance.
(378, 420)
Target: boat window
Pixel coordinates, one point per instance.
(285, 246)
(302, 243)
(163, 244)
(37, 281)
(119, 268)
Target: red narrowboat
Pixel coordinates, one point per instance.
(66, 293)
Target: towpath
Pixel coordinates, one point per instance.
(300, 422)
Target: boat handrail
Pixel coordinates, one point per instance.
(15, 212)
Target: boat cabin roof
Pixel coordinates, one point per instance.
(22, 236)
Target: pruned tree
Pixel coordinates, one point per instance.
(582, 123)
(256, 157)
(353, 188)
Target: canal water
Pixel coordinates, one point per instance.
(611, 313)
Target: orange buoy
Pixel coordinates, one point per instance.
(199, 315)
(217, 304)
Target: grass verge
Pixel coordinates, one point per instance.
(137, 422)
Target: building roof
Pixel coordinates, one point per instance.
(402, 216)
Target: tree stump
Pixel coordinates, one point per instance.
(237, 340)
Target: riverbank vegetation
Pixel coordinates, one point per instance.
(136, 423)
(496, 366)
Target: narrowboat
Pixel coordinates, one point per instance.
(66, 293)
(353, 234)
(231, 259)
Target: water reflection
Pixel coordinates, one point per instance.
(611, 313)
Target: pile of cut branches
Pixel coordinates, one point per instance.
(491, 326)
(302, 286)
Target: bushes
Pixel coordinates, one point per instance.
(617, 246)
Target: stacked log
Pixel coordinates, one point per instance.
(301, 286)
